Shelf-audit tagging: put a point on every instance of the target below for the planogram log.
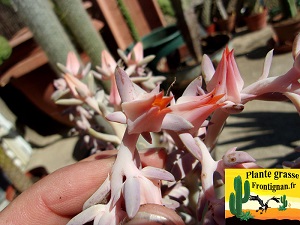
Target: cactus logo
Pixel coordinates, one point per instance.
(262, 196)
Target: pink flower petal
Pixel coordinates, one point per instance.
(135, 109)
(227, 79)
(131, 192)
(232, 158)
(60, 84)
(73, 64)
(77, 87)
(87, 215)
(118, 117)
(192, 88)
(125, 86)
(208, 69)
(267, 65)
(176, 123)
(296, 46)
(295, 98)
(108, 63)
(142, 124)
(236, 73)
(191, 145)
(137, 52)
(99, 195)
(114, 96)
(92, 102)
(157, 173)
(108, 218)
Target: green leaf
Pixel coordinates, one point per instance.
(5, 49)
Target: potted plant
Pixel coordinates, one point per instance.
(219, 14)
(255, 14)
(285, 20)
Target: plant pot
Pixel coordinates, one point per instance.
(285, 32)
(160, 42)
(211, 29)
(257, 21)
(228, 25)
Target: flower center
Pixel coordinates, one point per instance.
(161, 101)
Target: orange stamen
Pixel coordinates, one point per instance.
(161, 101)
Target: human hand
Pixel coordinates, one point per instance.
(59, 196)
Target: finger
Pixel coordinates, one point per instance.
(151, 214)
(58, 196)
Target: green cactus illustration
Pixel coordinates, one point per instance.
(236, 200)
(284, 203)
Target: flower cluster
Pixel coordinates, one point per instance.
(137, 115)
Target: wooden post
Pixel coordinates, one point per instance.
(145, 14)
(189, 27)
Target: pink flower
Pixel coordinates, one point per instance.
(136, 58)
(142, 111)
(72, 80)
(276, 88)
(73, 65)
(196, 109)
(81, 91)
(136, 62)
(107, 70)
(105, 214)
(136, 55)
(226, 79)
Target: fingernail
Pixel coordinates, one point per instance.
(103, 156)
(100, 155)
(149, 219)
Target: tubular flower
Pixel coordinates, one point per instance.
(135, 59)
(226, 79)
(140, 107)
(107, 71)
(196, 109)
(73, 65)
(81, 91)
(136, 67)
(126, 177)
(280, 87)
(100, 214)
(73, 68)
